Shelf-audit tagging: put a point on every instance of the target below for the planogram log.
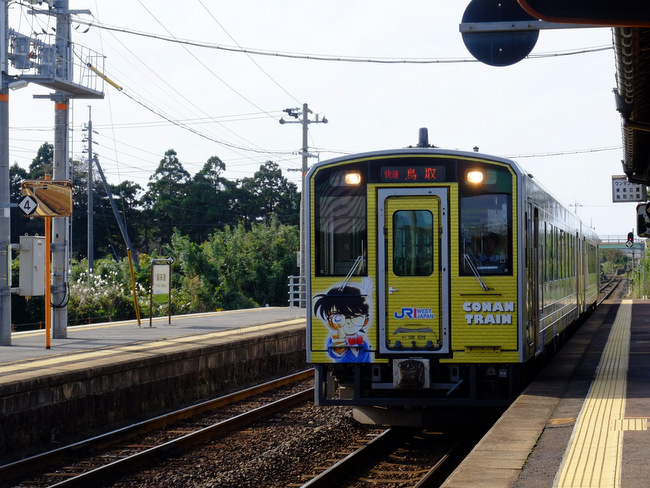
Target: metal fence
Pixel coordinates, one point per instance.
(297, 292)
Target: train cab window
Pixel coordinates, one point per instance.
(340, 225)
(485, 228)
(413, 243)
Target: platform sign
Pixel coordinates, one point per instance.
(161, 284)
(161, 279)
(27, 205)
(626, 191)
(46, 198)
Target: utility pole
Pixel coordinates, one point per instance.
(5, 222)
(91, 241)
(61, 171)
(49, 65)
(295, 113)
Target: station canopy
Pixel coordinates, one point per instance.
(632, 93)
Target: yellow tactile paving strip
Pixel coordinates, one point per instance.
(593, 457)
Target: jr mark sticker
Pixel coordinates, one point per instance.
(415, 314)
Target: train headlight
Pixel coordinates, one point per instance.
(475, 177)
(353, 178)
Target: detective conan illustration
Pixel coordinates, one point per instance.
(345, 310)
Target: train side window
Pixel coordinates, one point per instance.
(413, 243)
(486, 233)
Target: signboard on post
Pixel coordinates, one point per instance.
(161, 283)
(46, 198)
(625, 191)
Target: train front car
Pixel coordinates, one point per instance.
(413, 294)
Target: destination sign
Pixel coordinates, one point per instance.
(412, 174)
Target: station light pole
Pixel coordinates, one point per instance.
(305, 121)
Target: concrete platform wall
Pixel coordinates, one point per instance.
(47, 410)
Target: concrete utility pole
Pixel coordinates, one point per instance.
(50, 66)
(295, 113)
(61, 171)
(5, 222)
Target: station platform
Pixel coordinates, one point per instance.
(583, 421)
(108, 374)
(30, 345)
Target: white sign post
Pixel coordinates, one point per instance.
(161, 283)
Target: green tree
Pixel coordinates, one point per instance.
(126, 197)
(108, 238)
(613, 261)
(79, 243)
(208, 203)
(196, 277)
(253, 264)
(163, 201)
(42, 164)
(268, 193)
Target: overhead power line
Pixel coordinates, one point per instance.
(563, 153)
(194, 131)
(327, 57)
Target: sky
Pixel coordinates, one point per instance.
(553, 112)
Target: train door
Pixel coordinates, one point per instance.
(413, 269)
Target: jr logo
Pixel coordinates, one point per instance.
(415, 313)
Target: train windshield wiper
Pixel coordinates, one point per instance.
(472, 266)
(356, 264)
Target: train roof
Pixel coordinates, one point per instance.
(409, 151)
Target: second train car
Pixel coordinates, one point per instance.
(436, 278)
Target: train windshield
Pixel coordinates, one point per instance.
(485, 226)
(341, 228)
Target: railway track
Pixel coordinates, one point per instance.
(399, 458)
(607, 289)
(127, 448)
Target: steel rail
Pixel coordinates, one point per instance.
(329, 477)
(42, 460)
(433, 478)
(333, 475)
(607, 295)
(169, 448)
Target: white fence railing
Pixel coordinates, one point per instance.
(297, 292)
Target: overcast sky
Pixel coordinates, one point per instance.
(554, 113)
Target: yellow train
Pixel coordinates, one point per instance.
(436, 278)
